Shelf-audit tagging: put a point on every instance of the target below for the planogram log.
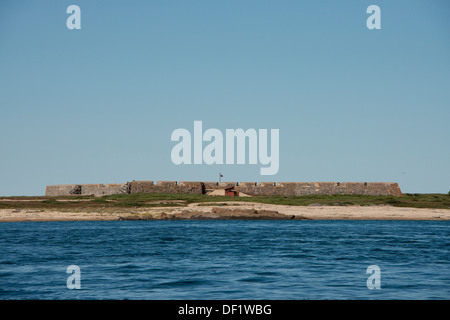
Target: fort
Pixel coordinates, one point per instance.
(249, 188)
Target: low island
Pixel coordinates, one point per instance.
(152, 206)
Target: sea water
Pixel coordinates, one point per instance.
(225, 259)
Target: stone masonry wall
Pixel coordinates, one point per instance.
(97, 190)
(216, 185)
(60, 190)
(167, 187)
(250, 188)
(309, 188)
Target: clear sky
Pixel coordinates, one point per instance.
(98, 105)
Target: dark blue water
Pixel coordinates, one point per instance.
(225, 259)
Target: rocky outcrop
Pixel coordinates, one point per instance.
(217, 214)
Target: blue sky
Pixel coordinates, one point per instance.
(98, 105)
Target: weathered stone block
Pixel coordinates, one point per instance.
(166, 183)
(142, 187)
(59, 190)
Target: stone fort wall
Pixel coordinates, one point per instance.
(250, 188)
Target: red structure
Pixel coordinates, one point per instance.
(230, 192)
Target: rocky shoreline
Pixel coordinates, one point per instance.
(216, 214)
(230, 211)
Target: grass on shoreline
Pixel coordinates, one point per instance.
(146, 200)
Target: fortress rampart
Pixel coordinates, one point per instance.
(250, 188)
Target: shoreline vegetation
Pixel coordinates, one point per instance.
(416, 200)
(147, 206)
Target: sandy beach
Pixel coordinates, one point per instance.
(313, 212)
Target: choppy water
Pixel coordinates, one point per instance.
(225, 259)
